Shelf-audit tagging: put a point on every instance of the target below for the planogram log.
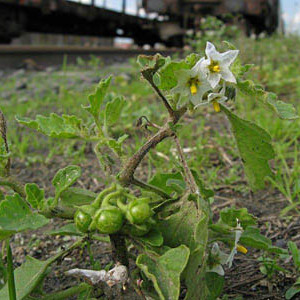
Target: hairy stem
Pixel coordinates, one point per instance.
(3, 130)
(188, 174)
(119, 249)
(159, 93)
(126, 176)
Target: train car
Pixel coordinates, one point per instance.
(71, 18)
(180, 15)
(172, 18)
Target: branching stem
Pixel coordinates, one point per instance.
(3, 130)
(126, 176)
(119, 249)
(158, 92)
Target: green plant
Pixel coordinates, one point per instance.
(295, 289)
(269, 267)
(212, 28)
(168, 220)
(287, 181)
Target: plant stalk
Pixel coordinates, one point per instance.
(126, 176)
(119, 249)
(188, 174)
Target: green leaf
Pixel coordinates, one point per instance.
(116, 145)
(150, 65)
(294, 290)
(27, 278)
(161, 180)
(153, 238)
(251, 237)
(34, 195)
(194, 273)
(69, 229)
(113, 111)
(205, 193)
(56, 126)
(64, 178)
(295, 253)
(16, 216)
(192, 59)
(229, 216)
(255, 148)
(283, 110)
(176, 185)
(167, 74)
(74, 196)
(215, 284)
(152, 61)
(183, 223)
(164, 271)
(96, 99)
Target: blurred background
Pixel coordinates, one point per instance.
(140, 22)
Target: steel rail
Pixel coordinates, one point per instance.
(12, 56)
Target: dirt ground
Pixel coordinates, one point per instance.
(244, 278)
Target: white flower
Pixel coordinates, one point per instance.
(215, 98)
(217, 259)
(236, 247)
(217, 64)
(192, 83)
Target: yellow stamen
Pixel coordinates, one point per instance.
(241, 249)
(193, 89)
(216, 106)
(216, 69)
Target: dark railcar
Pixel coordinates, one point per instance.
(174, 17)
(67, 17)
(258, 15)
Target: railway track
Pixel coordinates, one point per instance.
(43, 56)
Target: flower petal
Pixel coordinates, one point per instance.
(211, 51)
(222, 100)
(214, 79)
(217, 269)
(204, 66)
(195, 99)
(212, 96)
(227, 58)
(231, 257)
(227, 75)
(197, 68)
(223, 257)
(182, 100)
(201, 104)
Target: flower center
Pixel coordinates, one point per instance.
(241, 249)
(214, 67)
(193, 84)
(216, 106)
